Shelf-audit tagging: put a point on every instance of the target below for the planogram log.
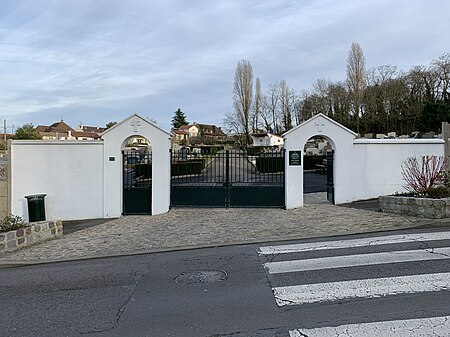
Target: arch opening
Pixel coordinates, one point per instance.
(318, 170)
(137, 175)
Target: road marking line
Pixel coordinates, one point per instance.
(357, 260)
(383, 240)
(435, 326)
(368, 288)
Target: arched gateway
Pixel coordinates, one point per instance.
(132, 184)
(339, 163)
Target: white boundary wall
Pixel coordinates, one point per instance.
(84, 179)
(70, 173)
(362, 168)
(377, 164)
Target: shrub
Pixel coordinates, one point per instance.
(423, 173)
(437, 192)
(11, 222)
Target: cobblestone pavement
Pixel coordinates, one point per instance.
(189, 228)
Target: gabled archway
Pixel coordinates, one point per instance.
(114, 140)
(341, 139)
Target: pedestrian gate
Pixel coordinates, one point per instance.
(330, 177)
(137, 182)
(228, 178)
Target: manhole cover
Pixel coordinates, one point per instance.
(200, 277)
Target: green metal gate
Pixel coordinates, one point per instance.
(330, 177)
(228, 178)
(137, 182)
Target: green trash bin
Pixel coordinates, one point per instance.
(36, 207)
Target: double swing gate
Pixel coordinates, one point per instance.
(228, 178)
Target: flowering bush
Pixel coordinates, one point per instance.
(424, 174)
(11, 222)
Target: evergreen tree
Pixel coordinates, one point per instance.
(433, 114)
(27, 131)
(110, 124)
(179, 119)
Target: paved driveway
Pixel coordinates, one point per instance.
(196, 227)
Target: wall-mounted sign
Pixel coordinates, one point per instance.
(295, 158)
(112, 158)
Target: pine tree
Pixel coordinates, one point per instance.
(179, 119)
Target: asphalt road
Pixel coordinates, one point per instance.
(269, 290)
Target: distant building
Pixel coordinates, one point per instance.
(62, 131)
(90, 129)
(266, 139)
(199, 134)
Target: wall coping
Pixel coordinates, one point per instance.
(399, 141)
(57, 142)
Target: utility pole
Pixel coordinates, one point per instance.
(4, 130)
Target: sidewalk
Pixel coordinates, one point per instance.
(209, 227)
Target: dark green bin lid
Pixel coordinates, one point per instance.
(35, 196)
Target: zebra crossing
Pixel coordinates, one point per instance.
(365, 270)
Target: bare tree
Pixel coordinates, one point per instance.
(304, 107)
(286, 105)
(257, 104)
(356, 79)
(442, 69)
(321, 89)
(231, 123)
(270, 111)
(242, 95)
(381, 74)
(339, 102)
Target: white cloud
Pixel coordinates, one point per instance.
(63, 57)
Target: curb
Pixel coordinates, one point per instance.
(423, 225)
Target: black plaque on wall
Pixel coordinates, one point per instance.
(295, 158)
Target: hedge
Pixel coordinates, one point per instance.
(270, 164)
(143, 170)
(310, 162)
(193, 166)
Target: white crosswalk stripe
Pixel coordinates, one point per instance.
(357, 260)
(435, 327)
(367, 288)
(383, 240)
(346, 269)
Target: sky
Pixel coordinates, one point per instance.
(96, 61)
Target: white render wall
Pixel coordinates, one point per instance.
(340, 139)
(362, 168)
(377, 164)
(84, 179)
(115, 139)
(69, 172)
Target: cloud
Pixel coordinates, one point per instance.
(98, 57)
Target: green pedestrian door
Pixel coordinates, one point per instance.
(137, 182)
(330, 177)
